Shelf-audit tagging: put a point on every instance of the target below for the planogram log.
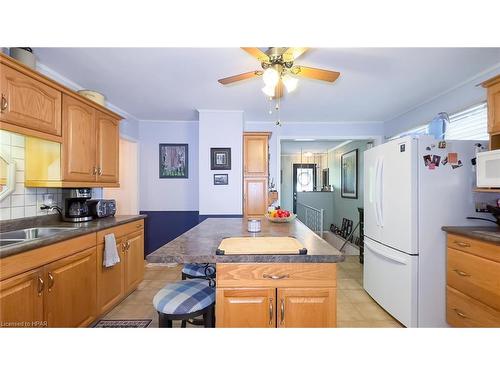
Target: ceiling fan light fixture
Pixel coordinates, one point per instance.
(268, 90)
(290, 83)
(271, 77)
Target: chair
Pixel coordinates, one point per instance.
(185, 299)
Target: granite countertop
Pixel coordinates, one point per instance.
(489, 234)
(53, 221)
(198, 245)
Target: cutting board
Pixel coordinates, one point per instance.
(261, 246)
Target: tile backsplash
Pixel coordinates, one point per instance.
(25, 201)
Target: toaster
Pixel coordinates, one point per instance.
(102, 207)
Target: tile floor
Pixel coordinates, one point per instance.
(355, 308)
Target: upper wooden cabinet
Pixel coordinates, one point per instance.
(493, 87)
(255, 148)
(29, 103)
(108, 143)
(79, 141)
(255, 200)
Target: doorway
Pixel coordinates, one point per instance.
(304, 179)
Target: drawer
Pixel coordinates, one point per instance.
(464, 311)
(121, 230)
(475, 276)
(230, 275)
(481, 248)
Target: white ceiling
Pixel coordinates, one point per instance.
(316, 147)
(376, 84)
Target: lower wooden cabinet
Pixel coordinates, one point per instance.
(306, 307)
(246, 308)
(70, 293)
(134, 260)
(261, 295)
(21, 300)
(110, 280)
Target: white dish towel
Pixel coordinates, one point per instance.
(110, 257)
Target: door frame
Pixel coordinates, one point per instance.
(296, 166)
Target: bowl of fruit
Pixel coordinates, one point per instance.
(280, 216)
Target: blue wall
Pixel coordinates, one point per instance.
(162, 227)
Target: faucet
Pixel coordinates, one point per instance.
(51, 208)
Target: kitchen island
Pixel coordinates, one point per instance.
(263, 290)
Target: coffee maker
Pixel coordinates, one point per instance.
(75, 206)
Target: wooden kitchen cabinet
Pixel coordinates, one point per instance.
(246, 307)
(255, 196)
(29, 106)
(79, 141)
(134, 260)
(21, 300)
(493, 93)
(70, 294)
(110, 280)
(108, 143)
(306, 308)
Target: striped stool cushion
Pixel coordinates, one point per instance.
(184, 297)
(198, 270)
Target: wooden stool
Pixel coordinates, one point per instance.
(185, 300)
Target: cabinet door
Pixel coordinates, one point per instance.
(29, 103)
(494, 108)
(108, 141)
(70, 293)
(79, 141)
(255, 196)
(306, 307)
(246, 308)
(21, 300)
(134, 260)
(255, 160)
(110, 280)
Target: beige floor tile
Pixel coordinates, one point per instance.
(358, 296)
(347, 312)
(372, 311)
(348, 284)
(341, 297)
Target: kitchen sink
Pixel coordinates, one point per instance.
(16, 236)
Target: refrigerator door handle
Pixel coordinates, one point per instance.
(391, 257)
(377, 192)
(381, 193)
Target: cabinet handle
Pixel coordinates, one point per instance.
(40, 285)
(270, 311)
(4, 103)
(275, 277)
(460, 314)
(51, 281)
(123, 247)
(94, 171)
(282, 311)
(462, 273)
(138, 226)
(462, 244)
(99, 171)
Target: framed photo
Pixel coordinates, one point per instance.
(349, 174)
(173, 160)
(221, 179)
(220, 158)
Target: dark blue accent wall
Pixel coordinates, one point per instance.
(161, 227)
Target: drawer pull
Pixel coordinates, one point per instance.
(4, 104)
(138, 226)
(40, 285)
(275, 277)
(270, 311)
(462, 273)
(51, 281)
(460, 314)
(462, 244)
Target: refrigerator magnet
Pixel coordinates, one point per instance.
(444, 161)
(452, 158)
(442, 144)
(432, 166)
(427, 160)
(458, 165)
(435, 160)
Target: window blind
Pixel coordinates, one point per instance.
(469, 124)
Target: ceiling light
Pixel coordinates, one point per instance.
(268, 90)
(290, 83)
(271, 77)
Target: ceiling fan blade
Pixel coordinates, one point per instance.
(257, 53)
(315, 73)
(293, 52)
(240, 77)
(278, 90)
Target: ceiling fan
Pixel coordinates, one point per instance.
(279, 70)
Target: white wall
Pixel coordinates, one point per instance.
(157, 194)
(453, 100)
(220, 129)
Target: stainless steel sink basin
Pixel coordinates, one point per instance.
(8, 238)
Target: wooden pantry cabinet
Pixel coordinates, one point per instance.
(473, 283)
(493, 93)
(255, 173)
(263, 295)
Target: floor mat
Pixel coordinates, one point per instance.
(123, 323)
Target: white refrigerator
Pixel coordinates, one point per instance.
(406, 202)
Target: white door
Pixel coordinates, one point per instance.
(390, 277)
(396, 193)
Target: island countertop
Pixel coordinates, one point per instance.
(199, 244)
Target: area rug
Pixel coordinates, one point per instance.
(123, 323)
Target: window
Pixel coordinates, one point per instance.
(422, 129)
(469, 124)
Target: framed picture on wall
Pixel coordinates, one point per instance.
(349, 174)
(173, 160)
(220, 158)
(221, 179)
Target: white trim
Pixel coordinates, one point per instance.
(284, 123)
(173, 122)
(220, 110)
